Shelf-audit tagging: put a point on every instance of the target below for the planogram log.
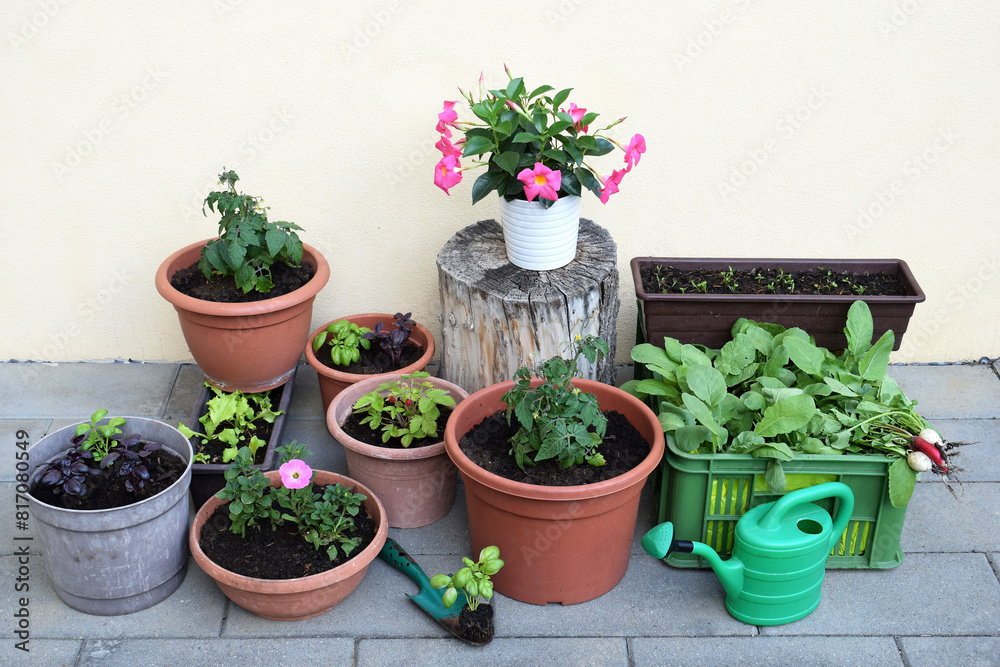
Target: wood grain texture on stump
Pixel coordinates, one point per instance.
(496, 317)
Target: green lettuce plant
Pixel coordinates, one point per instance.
(230, 419)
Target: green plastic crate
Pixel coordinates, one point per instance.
(704, 495)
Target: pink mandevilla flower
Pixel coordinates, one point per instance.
(611, 184)
(636, 147)
(295, 474)
(577, 114)
(447, 117)
(541, 182)
(446, 147)
(447, 173)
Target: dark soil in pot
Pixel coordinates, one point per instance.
(353, 427)
(661, 279)
(487, 444)
(477, 626)
(374, 361)
(274, 554)
(107, 488)
(191, 281)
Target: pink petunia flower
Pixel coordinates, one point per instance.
(295, 474)
(577, 114)
(636, 147)
(448, 116)
(446, 147)
(611, 184)
(447, 173)
(541, 182)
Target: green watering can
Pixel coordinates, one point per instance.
(775, 574)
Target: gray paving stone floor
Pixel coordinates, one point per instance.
(941, 606)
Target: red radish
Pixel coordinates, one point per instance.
(930, 450)
(918, 461)
(931, 436)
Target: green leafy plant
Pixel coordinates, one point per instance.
(100, 439)
(344, 338)
(407, 408)
(248, 244)
(771, 393)
(248, 493)
(556, 419)
(474, 579)
(535, 147)
(230, 419)
(323, 518)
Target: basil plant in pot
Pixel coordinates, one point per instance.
(538, 160)
(109, 502)
(355, 348)
(245, 298)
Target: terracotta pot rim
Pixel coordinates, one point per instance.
(352, 378)
(181, 300)
(186, 474)
(360, 561)
(355, 391)
(554, 493)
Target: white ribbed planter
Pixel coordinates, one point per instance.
(540, 239)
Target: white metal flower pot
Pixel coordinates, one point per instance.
(540, 239)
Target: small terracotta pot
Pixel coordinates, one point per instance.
(249, 347)
(564, 544)
(416, 486)
(332, 382)
(293, 599)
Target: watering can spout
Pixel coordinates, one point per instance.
(659, 542)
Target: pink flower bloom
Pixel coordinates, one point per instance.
(295, 474)
(447, 173)
(611, 184)
(577, 114)
(447, 117)
(541, 182)
(636, 147)
(447, 148)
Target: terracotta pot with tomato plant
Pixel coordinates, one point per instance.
(244, 299)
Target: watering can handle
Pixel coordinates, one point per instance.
(810, 494)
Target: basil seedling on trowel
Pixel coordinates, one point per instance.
(429, 598)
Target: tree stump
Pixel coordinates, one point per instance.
(496, 317)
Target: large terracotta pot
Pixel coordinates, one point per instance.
(416, 485)
(293, 599)
(564, 544)
(332, 382)
(249, 347)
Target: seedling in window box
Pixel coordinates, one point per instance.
(230, 419)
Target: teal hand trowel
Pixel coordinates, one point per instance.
(429, 598)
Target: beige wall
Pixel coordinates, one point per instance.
(865, 128)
